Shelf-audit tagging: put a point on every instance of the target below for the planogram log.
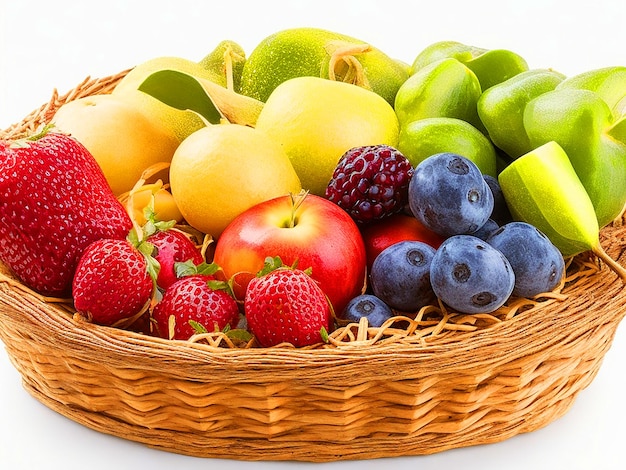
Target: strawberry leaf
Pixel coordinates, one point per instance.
(324, 335)
(26, 141)
(222, 285)
(188, 268)
(198, 327)
(238, 334)
(270, 264)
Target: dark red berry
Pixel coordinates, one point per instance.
(371, 182)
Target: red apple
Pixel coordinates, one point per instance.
(310, 229)
(393, 229)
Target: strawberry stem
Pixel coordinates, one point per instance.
(25, 141)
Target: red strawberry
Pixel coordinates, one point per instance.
(286, 305)
(194, 299)
(173, 246)
(54, 202)
(113, 281)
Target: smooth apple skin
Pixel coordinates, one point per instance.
(323, 238)
(394, 229)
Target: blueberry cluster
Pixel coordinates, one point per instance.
(486, 257)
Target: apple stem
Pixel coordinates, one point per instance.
(611, 263)
(296, 202)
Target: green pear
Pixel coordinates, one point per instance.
(226, 62)
(542, 189)
(445, 88)
(491, 66)
(316, 52)
(444, 50)
(581, 122)
(501, 108)
(420, 139)
(608, 82)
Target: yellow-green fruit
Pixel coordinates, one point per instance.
(317, 120)
(182, 123)
(221, 170)
(317, 52)
(122, 139)
(425, 137)
(227, 54)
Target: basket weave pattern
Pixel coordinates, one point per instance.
(369, 393)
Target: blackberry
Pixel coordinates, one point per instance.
(371, 182)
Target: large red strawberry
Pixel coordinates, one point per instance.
(114, 281)
(195, 298)
(286, 306)
(54, 202)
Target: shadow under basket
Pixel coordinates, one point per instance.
(411, 387)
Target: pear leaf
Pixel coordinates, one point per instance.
(213, 102)
(181, 91)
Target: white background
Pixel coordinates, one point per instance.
(56, 44)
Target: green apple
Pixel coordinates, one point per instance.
(501, 108)
(491, 66)
(608, 82)
(582, 123)
(425, 137)
(445, 88)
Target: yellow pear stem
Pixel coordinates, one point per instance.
(228, 66)
(610, 262)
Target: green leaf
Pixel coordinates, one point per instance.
(218, 285)
(324, 334)
(197, 327)
(188, 268)
(238, 334)
(183, 92)
(270, 264)
(133, 237)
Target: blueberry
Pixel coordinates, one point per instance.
(500, 213)
(537, 263)
(370, 306)
(400, 275)
(470, 275)
(449, 195)
(487, 229)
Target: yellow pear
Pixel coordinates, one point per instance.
(316, 120)
(182, 123)
(221, 170)
(122, 139)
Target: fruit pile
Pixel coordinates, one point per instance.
(316, 182)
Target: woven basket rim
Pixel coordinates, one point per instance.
(451, 341)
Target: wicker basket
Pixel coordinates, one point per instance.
(414, 386)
